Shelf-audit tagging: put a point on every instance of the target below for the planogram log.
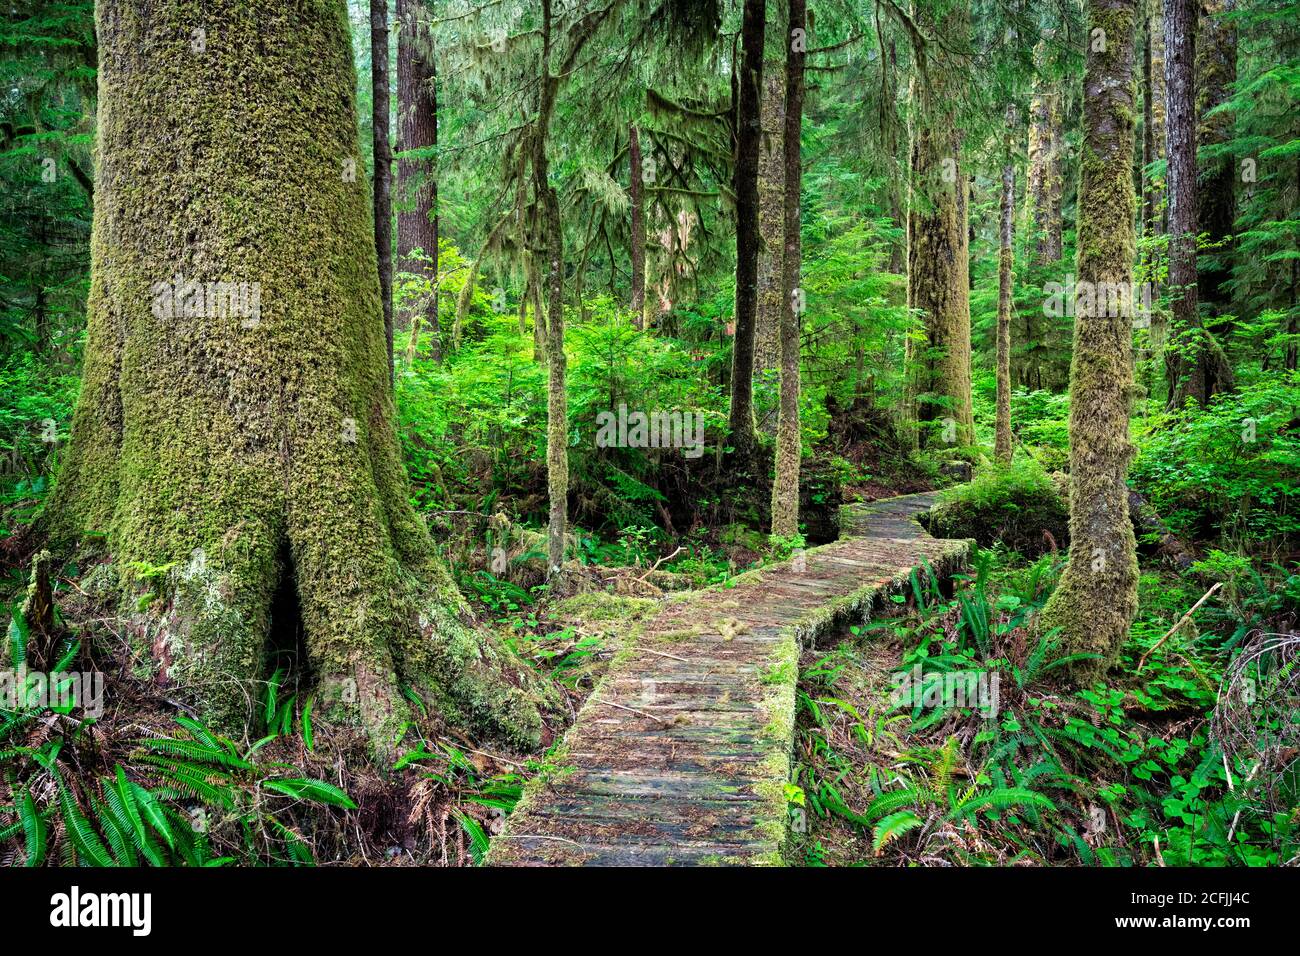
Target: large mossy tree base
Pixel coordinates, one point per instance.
(218, 447)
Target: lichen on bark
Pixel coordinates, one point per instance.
(220, 449)
(771, 217)
(789, 446)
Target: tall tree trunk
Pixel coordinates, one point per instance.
(937, 266)
(557, 402)
(748, 134)
(1194, 364)
(250, 446)
(1044, 186)
(1149, 148)
(789, 447)
(1154, 208)
(383, 189)
(1159, 106)
(1002, 439)
(1216, 206)
(1045, 181)
(417, 124)
(539, 312)
(636, 173)
(1096, 599)
(771, 217)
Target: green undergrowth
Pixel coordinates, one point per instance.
(1015, 504)
(1133, 771)
(176, 793)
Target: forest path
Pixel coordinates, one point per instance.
(681, 754)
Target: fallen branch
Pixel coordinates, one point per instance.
(655, 566)
(610, 703)
(671, 657)
(1181, 621)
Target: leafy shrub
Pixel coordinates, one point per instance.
(1016, 505)
(35, 413)
(1041, 419)
(1231, 470)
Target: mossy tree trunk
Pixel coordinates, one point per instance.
(1096, 599)
(771, 217)
(383, 159)
(1152, 100)
(417, 126)
(246, 448)
(789, 447)
(636, 191)
(552, 235)
(1159, 105)
(748, 134)
(1037, 361)
(937, 268)
(1045, 185)
(1002, 436)
(1194, 363)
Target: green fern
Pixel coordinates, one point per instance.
(33, 826)
(893, 826)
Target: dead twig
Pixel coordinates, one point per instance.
(610, 703)
(655, 566)
(1181, 621)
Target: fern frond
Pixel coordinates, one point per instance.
(893, 826)
(34, 832)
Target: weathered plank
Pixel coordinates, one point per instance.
(683, 762)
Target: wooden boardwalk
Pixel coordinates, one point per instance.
(681, 754)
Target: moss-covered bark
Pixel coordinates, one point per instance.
(1216, 206)
(1044, 182)
(789, 448)
(235, 447)
(1039, 361)
(636, 240)
(771, 217)
(1096, 599)
(383, 159)
(548, 202)
(1002, 435)
(938, 273)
